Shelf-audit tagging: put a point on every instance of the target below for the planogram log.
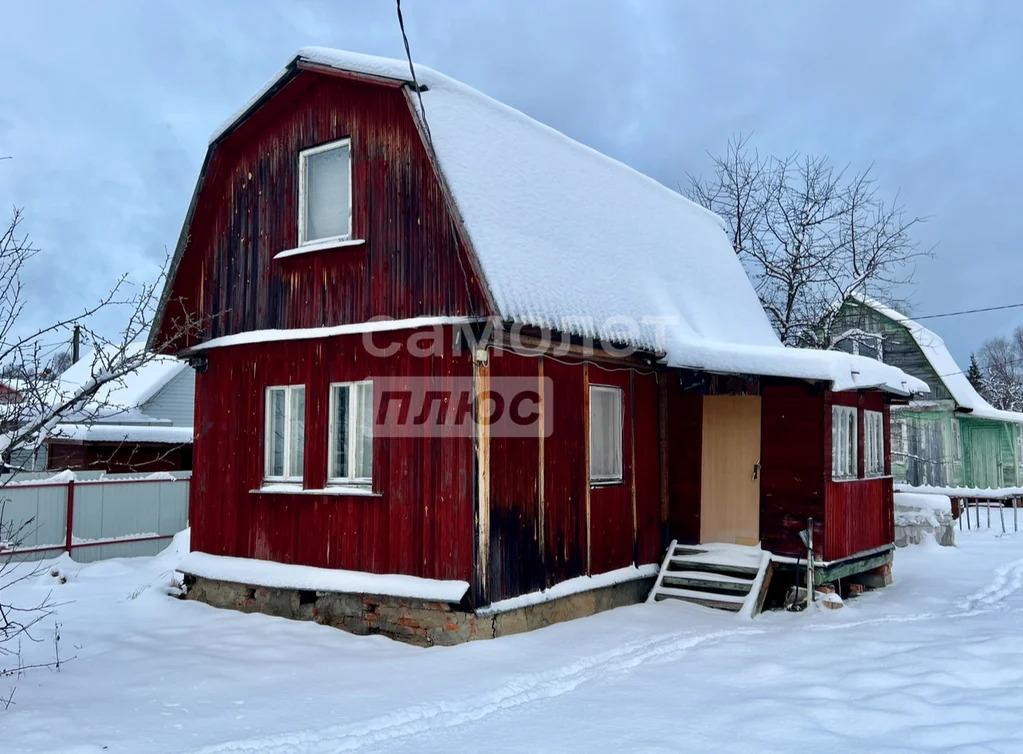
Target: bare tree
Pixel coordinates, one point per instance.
(33, 405)
(809, 235)
(1001, 366)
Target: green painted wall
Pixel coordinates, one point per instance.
(931, 442)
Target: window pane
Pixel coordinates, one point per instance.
(275, 456)
(605, 433)
(363, 432)
(339, 460)
(296, 440)
(326, 194)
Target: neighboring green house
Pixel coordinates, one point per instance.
(950, 438)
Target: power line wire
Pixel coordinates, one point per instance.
(412, 70)
(968, 311)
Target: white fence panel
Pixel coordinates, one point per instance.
(38, 517)
(113, 516)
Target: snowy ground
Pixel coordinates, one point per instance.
(935, 662)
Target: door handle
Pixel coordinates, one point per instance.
(756, 470)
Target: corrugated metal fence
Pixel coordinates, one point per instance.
(92, 516)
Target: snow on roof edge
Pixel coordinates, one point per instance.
(286, 576)
(943, 363)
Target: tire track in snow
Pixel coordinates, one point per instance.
(1008, 580)
(522, 689)
(531, 687)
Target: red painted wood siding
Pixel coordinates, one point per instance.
(859, 516)
(795, 441)
(413, 262)
(422, 522)
(684, 460)
(526, 555)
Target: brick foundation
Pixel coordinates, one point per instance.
(410, 620)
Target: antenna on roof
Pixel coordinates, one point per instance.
(412, 70)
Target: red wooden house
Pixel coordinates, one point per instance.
(349, 249)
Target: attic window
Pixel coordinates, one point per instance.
(325, 193)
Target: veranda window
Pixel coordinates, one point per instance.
(350, 451)
(285, 433)
(605, 434)
(873, 443)
(843, 442)
(325, 192)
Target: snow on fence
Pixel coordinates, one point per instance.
(968, 502)
(93, 516)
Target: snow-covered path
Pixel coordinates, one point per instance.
(934, 662)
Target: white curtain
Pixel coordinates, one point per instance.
(296, 428)
(327, 187)
(605, 433)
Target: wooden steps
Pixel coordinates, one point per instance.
(719, 576)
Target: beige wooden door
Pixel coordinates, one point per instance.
(730, 484)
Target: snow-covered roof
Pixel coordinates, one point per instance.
(121, 399)
(575, 241)
(944, 366)
(128, 433)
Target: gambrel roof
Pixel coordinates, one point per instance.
(952, 376)
(569, 239)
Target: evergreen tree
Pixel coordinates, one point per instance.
(975, 375)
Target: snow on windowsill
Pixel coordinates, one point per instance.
(334, 489)
(570, 587)
(846, 480)
(285, 576)
(324, 245)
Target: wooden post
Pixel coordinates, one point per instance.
(976, 508)
(586, 460)
(482, 409)
(541, 492)
(966, 507)
(987, 508)
(1015, 514)
(1001, 514)
(70, 508)
(959, 512)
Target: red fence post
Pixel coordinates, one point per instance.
(70, 514)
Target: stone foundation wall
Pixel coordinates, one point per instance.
(409, 620)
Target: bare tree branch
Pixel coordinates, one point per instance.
(809, 235)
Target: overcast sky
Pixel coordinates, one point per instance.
(106, 109)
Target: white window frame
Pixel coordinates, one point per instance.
(873, 444)
(303, 157)
(332, 436)
(844, 445)
(268, 436)
(619, 477)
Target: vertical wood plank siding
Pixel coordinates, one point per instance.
(795, 457)
(412, 263)
(525, 555)
(859, 517)
(422, 522)
(684, 460)
(849, 517)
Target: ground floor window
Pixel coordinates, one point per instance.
(350, 451)
(873, 443)
(843, 442)
(605, 434)
(285, 433)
